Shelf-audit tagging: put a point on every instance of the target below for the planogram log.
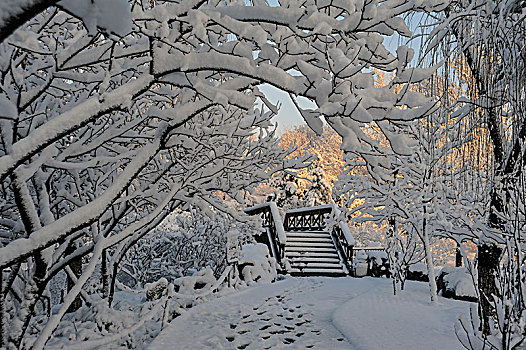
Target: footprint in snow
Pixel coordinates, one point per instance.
(265, 327)
(288, 341)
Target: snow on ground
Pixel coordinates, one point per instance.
(318, 313)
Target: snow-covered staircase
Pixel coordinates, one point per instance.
(302, 244)
(312, 253)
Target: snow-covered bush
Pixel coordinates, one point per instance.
(256, 264)
(184, 243)
(418, 272)
(155, 290)
(378, 263)
(456, 283)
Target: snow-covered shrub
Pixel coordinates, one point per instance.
(201, 280)
(378, 263)
(155, 290)
(256, 265)
(456, 283)
(404, 251)
(417, 272)
(184, 243)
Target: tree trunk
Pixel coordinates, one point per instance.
(2, 308)
(429, 263)
(488, 264)
(112, 284)
(458, 256)
(76, 267)
(104, 274)
(430, 270)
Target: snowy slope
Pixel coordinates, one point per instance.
(318, 313)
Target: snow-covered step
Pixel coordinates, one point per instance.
(309, 249)
(293, 255)
(312, 253)
(317, 272)
(327, 239)
(308, 234)
(316, 265)
(311, 244)
(309, 259)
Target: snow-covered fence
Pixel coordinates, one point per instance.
(275, 238)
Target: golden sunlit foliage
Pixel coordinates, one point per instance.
(325, 147)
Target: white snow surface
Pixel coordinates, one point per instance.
(319, 313)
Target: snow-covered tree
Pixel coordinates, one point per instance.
(108, 123)
(489, 36)
(403, 250)
(286, 193)
(418, 200)
(113, 177)
(319, 192)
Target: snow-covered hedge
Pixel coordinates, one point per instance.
(456, 283)
(418, 272)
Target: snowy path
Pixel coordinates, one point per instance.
(318, 313)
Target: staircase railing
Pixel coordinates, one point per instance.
(316, 219)
(276, 237)
(307, 219)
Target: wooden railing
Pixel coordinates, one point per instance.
(275, 238)
(344, 242)
(307, 219)
(316, 219)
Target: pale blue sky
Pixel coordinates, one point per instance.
(288, 116)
